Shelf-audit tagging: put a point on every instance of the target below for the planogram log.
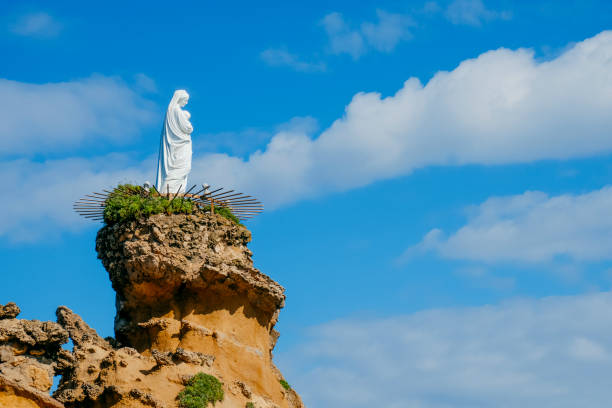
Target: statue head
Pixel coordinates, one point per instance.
(180, 97)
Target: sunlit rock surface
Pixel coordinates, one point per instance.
(188, 300)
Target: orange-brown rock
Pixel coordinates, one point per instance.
(30, 355)
(186, 284)
(30, 351)
(188, 301)
(15, 395)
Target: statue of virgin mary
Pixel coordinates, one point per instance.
(174, 163)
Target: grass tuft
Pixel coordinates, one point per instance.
(201, 390)
(225, 212)
(129, 202)
(285, 384)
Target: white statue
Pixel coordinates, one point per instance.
(174, 163)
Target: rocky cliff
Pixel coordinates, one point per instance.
(188, 301)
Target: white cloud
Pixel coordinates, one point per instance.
(520, 354)
(54, 116)
(383, 35)
(36, 25)
(473, 12)
(277, 57)
(387, 32)
(483, 278)
(531, 227)
(41, 194)
(341, 38)
(502, 107)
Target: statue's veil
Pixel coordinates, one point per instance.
(175, 118)
(174, 163)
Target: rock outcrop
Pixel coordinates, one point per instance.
(30, 355)
(31, 351)
(189, 300)
(16, 395)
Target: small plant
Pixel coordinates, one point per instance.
(285, 384)
(201, 390)
(225, 212)
(249, 405)
(128, 202)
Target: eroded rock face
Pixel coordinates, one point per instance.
(101, 375)
(16, 395)
(9, 311)
(162, 259)
(31, 351)
(186, 283)
(188, 301)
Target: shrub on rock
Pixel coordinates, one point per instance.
(201, 390)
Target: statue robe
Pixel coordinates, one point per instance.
(174, 163)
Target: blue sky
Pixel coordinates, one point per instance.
(435, 173)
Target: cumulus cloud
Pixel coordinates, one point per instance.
(527, 353)
(52, 186)
(41, 118)
(499, 108)
(531, 227)
(38, 24)
(473, 12)
(384, 35)
(277, 57)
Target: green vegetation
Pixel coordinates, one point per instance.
(285, 384)
(225, 212)
(128, 202)
(201, 390)
(249, 405)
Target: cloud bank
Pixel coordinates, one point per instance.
(52, 186)
(531, 227)
(554, 352)
(52, 117)
(499, 108)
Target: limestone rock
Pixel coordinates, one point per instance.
(30, 351)
(16, 395)
(32, 335)
(162, 255)
(80, 333)
(187, 288)
(9, 311)
(189, 300)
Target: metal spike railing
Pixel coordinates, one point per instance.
(242, 206)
